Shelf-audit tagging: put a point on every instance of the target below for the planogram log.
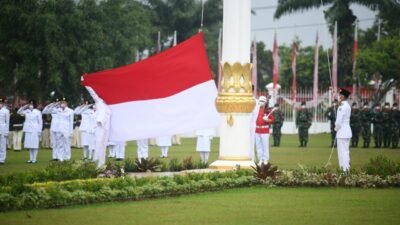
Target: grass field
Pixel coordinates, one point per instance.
(257, 205)
(288, 156)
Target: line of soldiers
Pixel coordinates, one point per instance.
(385, 129)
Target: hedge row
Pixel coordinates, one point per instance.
(81, 192)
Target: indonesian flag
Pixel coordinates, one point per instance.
(294, 85)
(170, 93)
(275, 72)
(334, 61)
(315, 83)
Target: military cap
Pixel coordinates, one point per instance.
(344, 92)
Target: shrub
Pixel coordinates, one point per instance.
(187, 163)
(381, 166)
(175, 165)
(264, 171)
(130, 165)
(112, 169)
(150, 164)
(201, 165)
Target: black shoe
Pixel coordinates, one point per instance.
(119, 159)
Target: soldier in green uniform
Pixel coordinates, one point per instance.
(355, 124)
(387, 125)
(396, 125)
(366, 119)
(16, 123)
(303, 122)
(278, 122)
(331, 115)
(377, 120)
(45, 142)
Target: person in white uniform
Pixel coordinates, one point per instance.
(64, 128)
(32, 128)
(4, 130)
(203, 145)
(86, 128)
(52, 109)
(103, 116)
(143, 148)
(164, 143)
(343, 130)
(120, 150)
(112, 149)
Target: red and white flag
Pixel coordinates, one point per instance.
(334, 61)
(294, 84)
(170, 93)
(254, 68)
(275, 72)
(315, 83)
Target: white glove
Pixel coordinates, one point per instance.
(265, 118)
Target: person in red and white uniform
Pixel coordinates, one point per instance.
(263, 124)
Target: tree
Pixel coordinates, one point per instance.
(47, 45)
(339, 10)
(381, 60)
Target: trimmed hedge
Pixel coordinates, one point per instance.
(81, 192)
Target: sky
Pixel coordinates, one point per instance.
(264, 19)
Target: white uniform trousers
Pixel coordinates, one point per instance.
(54, 145)
(101, 137)
(343, 153)
(252, 143)
(92, 144)
(112, 149)
(142, 148)
(3, 148)
(85, 141)
(33, 155)
(120, 150)
(176, 139)
(164, 151)
(262, 145)
(46, 143)
(203, 147)
(76, 138)
(9, 139)
(64, 146)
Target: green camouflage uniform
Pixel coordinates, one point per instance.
(278, 122)
(366, 119)
(331, 115)
(377, 120)
(355, 125)
(387, 127)
(395, 128)
(303, 122)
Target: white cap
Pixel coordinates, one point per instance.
(262, 99)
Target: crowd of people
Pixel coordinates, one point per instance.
(58, 127)
(384, 124)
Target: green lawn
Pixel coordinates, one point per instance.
(257, 205)
(288, 156)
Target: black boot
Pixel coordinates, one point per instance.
(305, 143)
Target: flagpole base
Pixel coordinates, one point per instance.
(232, 164)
